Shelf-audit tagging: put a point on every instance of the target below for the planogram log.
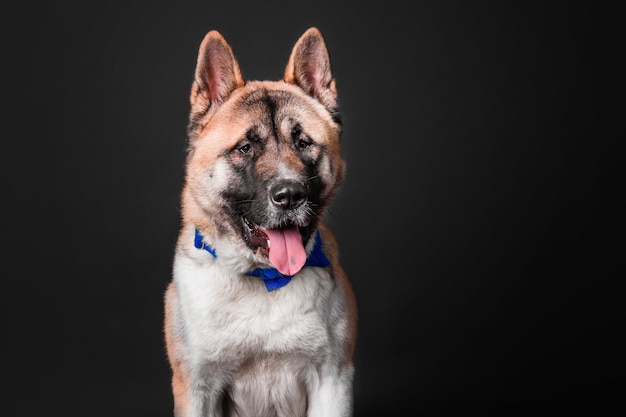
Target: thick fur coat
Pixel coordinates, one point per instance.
(263, 164)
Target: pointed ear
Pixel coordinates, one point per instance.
(217, 74)
(309, 68)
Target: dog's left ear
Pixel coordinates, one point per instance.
(217, 74)
(309, 68)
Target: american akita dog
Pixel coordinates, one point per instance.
(260, 318)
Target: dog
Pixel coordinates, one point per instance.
(260, 317)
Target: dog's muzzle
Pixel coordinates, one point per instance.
(287, 195)
(281, 236)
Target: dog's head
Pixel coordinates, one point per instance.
(263, 159)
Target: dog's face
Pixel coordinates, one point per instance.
(264, 158)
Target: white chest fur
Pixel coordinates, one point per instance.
(230, 317)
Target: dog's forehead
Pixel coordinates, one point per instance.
(267, 108)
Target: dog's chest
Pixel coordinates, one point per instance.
(234, 317)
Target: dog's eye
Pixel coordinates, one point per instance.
(245, 148)
(303, 144)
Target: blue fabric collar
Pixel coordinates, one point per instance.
(270, 276)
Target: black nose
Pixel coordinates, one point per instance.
(288, 194)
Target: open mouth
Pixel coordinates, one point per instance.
(284, 246)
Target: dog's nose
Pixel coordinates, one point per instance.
(288, 195)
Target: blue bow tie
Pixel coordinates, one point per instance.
(270, 276)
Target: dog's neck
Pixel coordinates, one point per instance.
(270, 276)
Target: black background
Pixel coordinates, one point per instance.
(479, 220)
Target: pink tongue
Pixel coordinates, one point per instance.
(286, 250)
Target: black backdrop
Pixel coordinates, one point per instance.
(478, 220)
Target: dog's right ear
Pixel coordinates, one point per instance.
(309, 68)
(217, 74)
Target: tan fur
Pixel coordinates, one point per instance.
(179, 379)
(236, 349)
